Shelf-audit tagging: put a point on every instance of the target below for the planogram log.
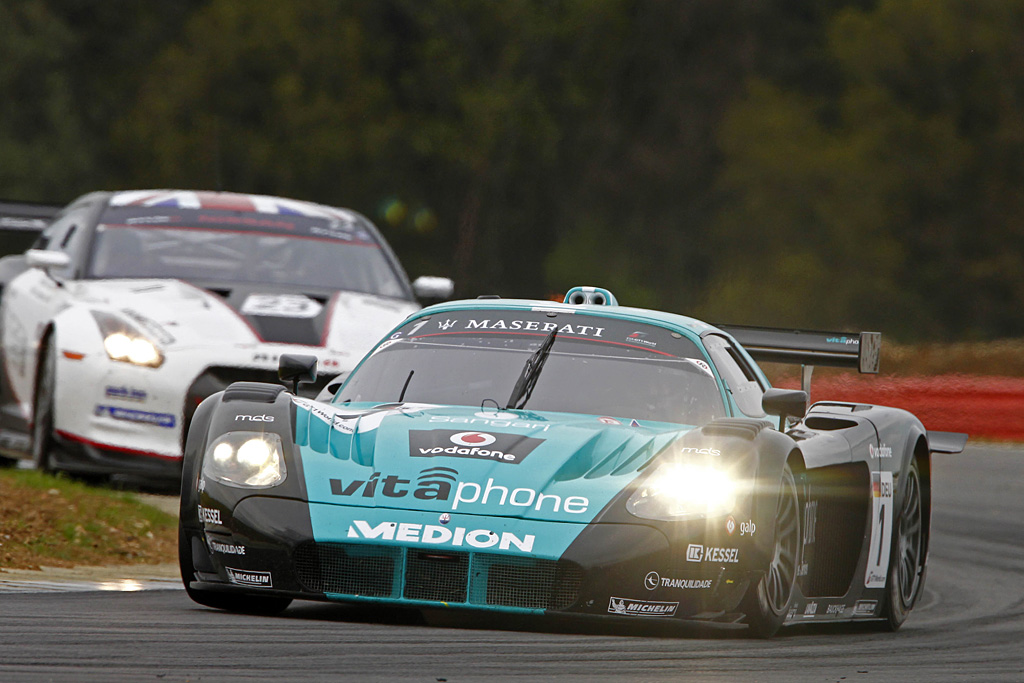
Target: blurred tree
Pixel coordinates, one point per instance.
(67, 69)
(805, 162)
(895, 202)
(446, 105)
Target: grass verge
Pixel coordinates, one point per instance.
(60, 522)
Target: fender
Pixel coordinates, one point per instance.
(754, 451)
(774, 450)
(917, 447)
(220, 413)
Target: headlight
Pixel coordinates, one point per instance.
(679, 490)
(250, 459)
(123, 342)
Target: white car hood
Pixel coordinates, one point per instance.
(180, 316)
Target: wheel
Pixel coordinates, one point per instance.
(42, 407)
(767, 602)
(230, 602)
(906, 562)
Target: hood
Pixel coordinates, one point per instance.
(460, 460)
(180, 315)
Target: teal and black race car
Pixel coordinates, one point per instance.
(579, 458)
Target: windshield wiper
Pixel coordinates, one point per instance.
(531, 371)
(405, 387)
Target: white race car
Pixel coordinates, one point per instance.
(133, 307)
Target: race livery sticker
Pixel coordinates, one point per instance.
(881, 530)
(654, 580)
(281, 306)
(882, 451)
(245, 577)
(705, 368)
(640, 338)
(431, 534)
(504, 448)
(254, 418)
(209, 515)
(699, 553)
(687, 450)
(641, 608)
(864, 608)
(156, 419)
(497, 420)
(537, 326)
(747, 528)
(445, 485)
(125, 393)
(226, 548)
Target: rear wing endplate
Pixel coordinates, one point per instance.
(946, 442)
(21, 222)
(860, 350)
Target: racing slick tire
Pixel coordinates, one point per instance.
(42, 407)
(766, 603)
(229, 602)
(906, 563)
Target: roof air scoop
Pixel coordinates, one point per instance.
(594, 296)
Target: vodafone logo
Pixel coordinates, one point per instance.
(472, 439)
(492, 446)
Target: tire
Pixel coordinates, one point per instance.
(905, 581)
(230, 602)
(42, 407)
(766, 603)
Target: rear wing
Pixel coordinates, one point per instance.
(21, 222)
(860, 350)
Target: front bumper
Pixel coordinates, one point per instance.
(266, 545)
(115, 418)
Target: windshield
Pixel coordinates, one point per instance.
(201, 245)
(595, 366)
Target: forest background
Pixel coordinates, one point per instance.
(831, 164)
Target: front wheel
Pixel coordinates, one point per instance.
(906, 566)
(229, 602)
(42, 407)
(767, 602)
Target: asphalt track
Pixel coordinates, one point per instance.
(969, 626)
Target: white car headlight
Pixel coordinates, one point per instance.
(681, 490)
(246, 459)
(124, 342)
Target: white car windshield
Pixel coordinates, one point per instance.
(209, 246)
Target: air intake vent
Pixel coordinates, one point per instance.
(452, 577)
(529, 583)
(257, 392)
(436, 576)
(738, 427)
(347, 568)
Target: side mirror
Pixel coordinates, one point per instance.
(296, 368)
(785, 403)
(45, 259)
(433, 288)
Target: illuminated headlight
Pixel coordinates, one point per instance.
(677, 490)
(123, 342)
(251, 459)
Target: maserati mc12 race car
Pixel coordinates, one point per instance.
(578, 458)
(132, 307)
